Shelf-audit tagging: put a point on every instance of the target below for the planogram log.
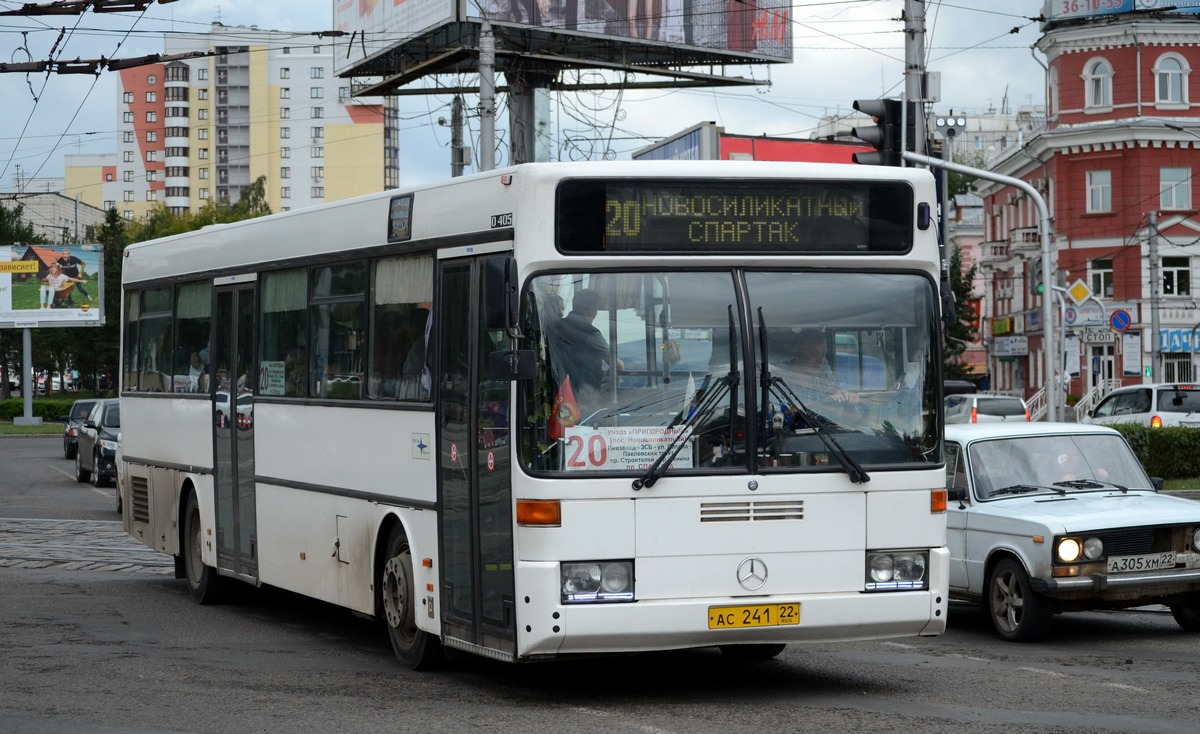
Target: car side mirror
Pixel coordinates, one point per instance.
(957, 494)
(89, 424)
(1157, 483)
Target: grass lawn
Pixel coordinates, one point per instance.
(48, 428)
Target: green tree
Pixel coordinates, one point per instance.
(961, 183)
(962, 332)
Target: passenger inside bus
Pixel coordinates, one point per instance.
(809, 374)
(580, 351)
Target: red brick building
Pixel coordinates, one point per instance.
(1114, 163)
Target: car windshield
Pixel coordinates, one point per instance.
(635, 370)
(1179, 399)
(1057, 463)
(112, 416)
(79, 411)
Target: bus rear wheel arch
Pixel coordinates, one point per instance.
(399, 606)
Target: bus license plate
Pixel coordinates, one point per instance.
(1147, 562)
(758, 615)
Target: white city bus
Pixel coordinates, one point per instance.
(556, 409)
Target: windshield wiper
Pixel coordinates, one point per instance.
(1023, 489)
(691, 417)
(1090, 484)
(857, 474)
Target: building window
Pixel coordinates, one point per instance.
(1099, 191)
(151, 175)
(202, 94)
(285, 152)
(285, 192)
(316, 72)
(316, 92)
(287, 49)
(128, 175)
(127, 156)
(128, 136)
(204, 173)
(316, 49)
(203, 193)
(151, 116)
(202, 74)
(1175, 188)
(318, 133)
(1171, 74)
(285, 172)
(343, 92)
(318, 172)
(285, 132)
(151, 96)
(127, 98)
(318, 192)
(317, 151)
(285, 93)
(1097, 79)
(109, 204)
(318, 112)
(151, 136)
(202, 114)
(285, 73)
(151, 80)
(285, 113)
(1100, 272)
(127, 214)
(202, 133)
(127, 117)
(151, 195)
(1177, 276)
(204, 154)
(128, 195)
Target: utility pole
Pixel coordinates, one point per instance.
(457, 159)
(487, 98)
(1155, 288)
(914, 72)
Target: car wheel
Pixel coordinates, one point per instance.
(1018, 613)
(81, 474)
(750, 653)
(98, 478)
(414, 648)
(118, 499)
(1187, 615)
(203, 581)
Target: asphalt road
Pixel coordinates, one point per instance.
(97, 636)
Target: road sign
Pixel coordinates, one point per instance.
(1079, 292)
(1120, 320)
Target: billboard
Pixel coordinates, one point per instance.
(754, 28)
(51, 285)
(1067, 9)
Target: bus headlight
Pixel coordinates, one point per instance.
(596, 581)
(897, 570)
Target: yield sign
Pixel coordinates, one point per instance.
(1079, 292)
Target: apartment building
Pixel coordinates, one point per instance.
(257, 103)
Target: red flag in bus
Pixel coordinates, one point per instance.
(565, 411)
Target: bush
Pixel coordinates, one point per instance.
(48, 409)
(1170, 453)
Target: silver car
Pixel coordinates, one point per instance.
(985, 409)
(1044, 518)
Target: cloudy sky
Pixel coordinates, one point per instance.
(844, 49)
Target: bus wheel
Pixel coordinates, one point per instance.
(1018, 613)
(749, 653)
(414, 648)
(203, 581)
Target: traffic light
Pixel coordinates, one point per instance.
(1036, 286)
(885, 135)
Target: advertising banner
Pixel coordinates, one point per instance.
(755, 27)
(1064, 9)
(51, 285)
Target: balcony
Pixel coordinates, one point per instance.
(1025, 240)
(994, 253)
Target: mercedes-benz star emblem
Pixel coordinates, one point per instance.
(752, 573)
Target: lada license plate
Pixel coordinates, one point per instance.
(1147, 562)
(758, 615)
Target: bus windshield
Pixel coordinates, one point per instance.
(645, 368)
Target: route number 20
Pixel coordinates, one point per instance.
(584, 452)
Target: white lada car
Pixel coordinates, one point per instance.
(1045, 518)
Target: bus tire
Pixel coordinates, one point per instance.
(203, 581)
(1018, 613)
(1187, 616)
(750, 653)
(414, 648)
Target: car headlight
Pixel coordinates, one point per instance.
(108, 445)
(1068, 550)
(1093, 548)
(596, 581)
(1196, 540)
(896, 570)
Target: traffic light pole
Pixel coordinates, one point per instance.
(1050, 345)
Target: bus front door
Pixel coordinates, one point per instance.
(475, 489)
(232, 368)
